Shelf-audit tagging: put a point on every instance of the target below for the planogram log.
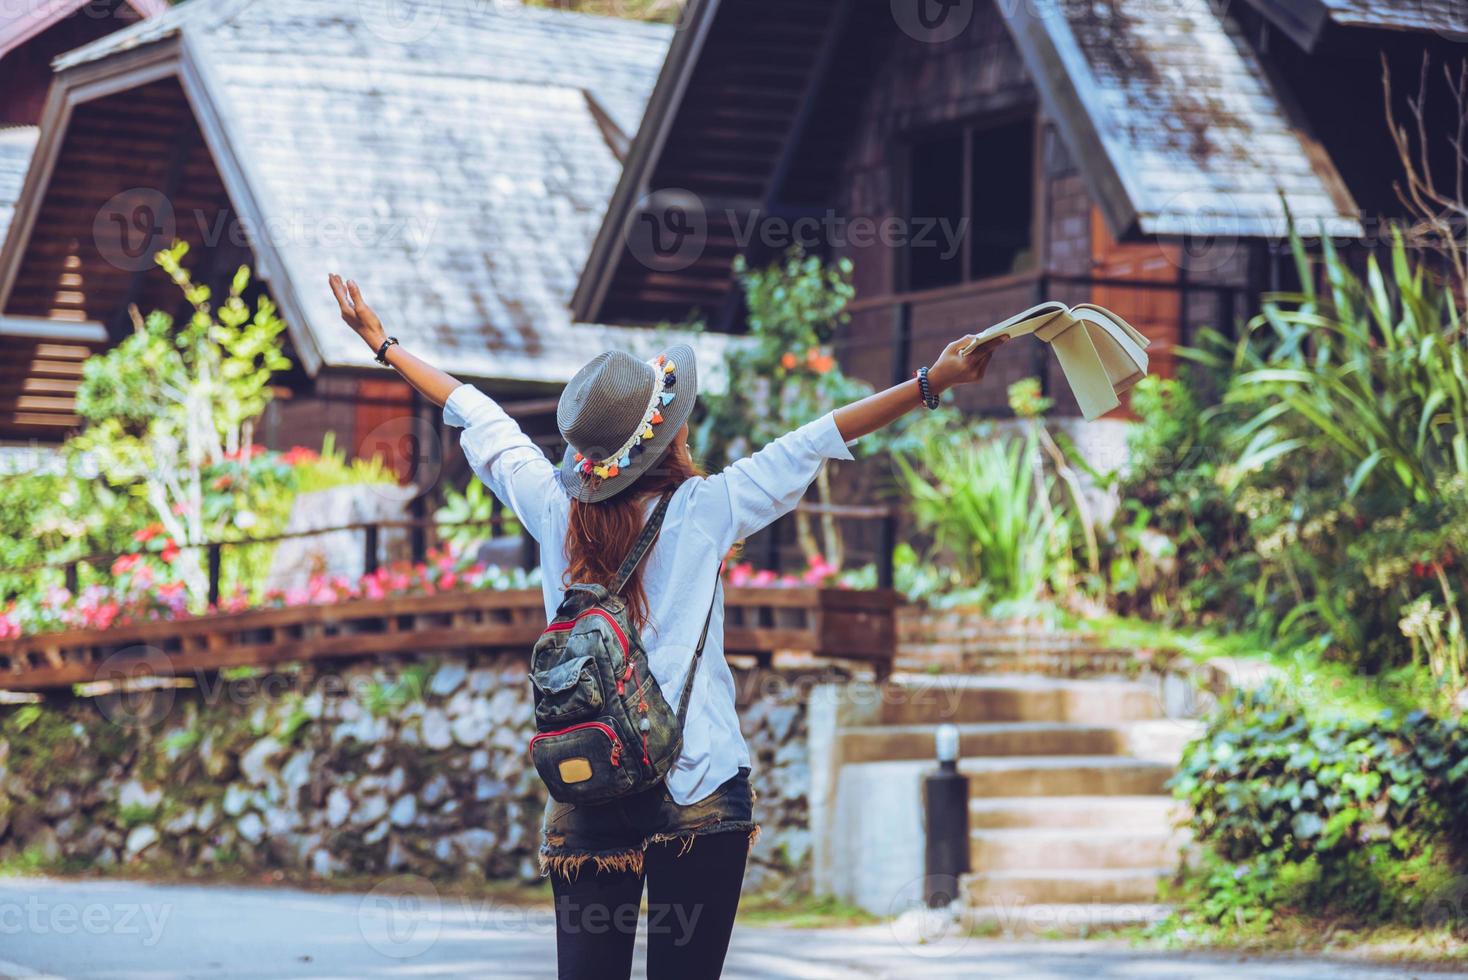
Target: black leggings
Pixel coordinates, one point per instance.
(692, 895)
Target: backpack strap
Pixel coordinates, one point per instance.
(642, 544)
(698, 651)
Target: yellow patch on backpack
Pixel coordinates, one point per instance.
(577, 770)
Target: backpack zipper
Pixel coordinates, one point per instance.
(571, 623)
(616, 742)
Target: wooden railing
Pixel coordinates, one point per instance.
(848, 624)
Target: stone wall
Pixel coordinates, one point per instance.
(359, 770)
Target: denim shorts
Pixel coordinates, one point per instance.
(614, 835)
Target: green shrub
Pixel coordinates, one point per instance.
(987, 505)
(1324, 500)
(1339, 817)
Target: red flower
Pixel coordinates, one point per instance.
(788, 361)
(298, 456)
(170, 552)
(148, 533)
(221, 482)
(125, 564)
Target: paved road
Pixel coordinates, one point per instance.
(130, 931)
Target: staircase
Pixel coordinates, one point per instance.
(1072, 828)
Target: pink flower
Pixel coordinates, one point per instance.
(125, 564)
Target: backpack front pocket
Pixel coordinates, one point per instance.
(567, 692)
(583, 763)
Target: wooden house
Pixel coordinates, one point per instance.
(455, 157)
(1137, 154)
(31, 34)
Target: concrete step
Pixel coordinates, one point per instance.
(1071, 920)
(1145, 813)
(1007, 889)
(875, 743)
(1074, 850)
(1073, 775)
(934, 699)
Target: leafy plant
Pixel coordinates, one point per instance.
(786, 375)
(463, 518)
(1336, 816)
(987, 505)
(171, 401)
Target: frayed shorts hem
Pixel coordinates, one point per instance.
(556, 857)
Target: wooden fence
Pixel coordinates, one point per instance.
(849, 624)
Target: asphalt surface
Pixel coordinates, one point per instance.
(134, 931)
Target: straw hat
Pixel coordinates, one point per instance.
(619, 414)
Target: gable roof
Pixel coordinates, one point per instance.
(19, 22)
(1173, 120)
(1306, 20)
(451, 155)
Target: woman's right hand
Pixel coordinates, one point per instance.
(356, 313)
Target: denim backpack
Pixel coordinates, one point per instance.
(603, 728)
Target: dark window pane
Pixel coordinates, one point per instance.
(936, 195)
(1003, 200)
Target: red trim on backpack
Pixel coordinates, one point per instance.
(616, 742)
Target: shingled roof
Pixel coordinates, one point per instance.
(1174, 119)
(19, 22)
(454, 156)
(1307, 20)
(16, 145)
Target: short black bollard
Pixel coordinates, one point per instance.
(945, 807)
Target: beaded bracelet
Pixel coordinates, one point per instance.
(929, 399)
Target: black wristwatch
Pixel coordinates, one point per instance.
(929, 399)
(381, 355)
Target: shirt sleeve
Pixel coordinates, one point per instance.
(754, 491)
(503, 456)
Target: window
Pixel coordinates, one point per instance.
(970, 195)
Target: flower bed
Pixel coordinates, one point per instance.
(137, 596)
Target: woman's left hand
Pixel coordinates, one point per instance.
(356, 313)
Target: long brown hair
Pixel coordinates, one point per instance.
(599, 535)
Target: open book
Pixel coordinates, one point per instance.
(1101, 354)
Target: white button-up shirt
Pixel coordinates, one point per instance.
(705, 518)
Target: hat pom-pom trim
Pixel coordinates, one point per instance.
(612, 465)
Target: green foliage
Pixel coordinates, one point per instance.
(382, 699)
(1265, 778)
(174, 401)
(786, 374)
(1177, 539)
(987, 504)
(470, 508)
(1324, 501)
(1335, 816)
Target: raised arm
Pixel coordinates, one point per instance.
(498, 451)
(433, 384)
(752, 492)
(882, 408)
